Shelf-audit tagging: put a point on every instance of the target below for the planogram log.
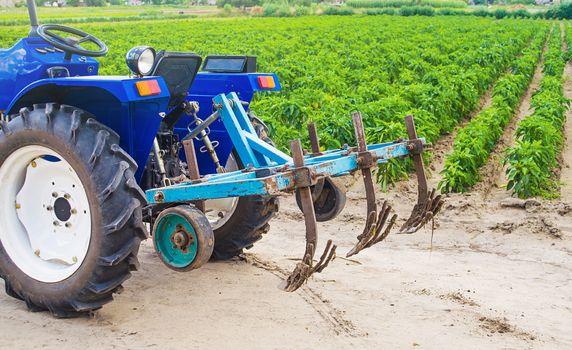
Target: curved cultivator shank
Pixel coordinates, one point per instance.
(428, 205)
(379, 223)
(306, 267)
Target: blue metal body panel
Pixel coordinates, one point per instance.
(114, 101)
(22, 65)
(205, 87)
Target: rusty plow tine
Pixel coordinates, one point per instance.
(364, 238)
(328, 255)
(305, 268)
(385, 232)
(427, 204)
(297, 278)
(381, 219)
(375, 221)
(423, 213)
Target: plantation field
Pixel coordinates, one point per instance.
(331, 66)
(493, 98)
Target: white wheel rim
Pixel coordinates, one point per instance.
(219, 211)
(45, 220)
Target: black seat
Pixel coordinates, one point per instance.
(179, 70)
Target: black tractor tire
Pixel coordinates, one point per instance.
(245, 227)
(115, 201)
(250, 219)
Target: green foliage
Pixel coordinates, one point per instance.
(278, 10)
(401, 3)
(562, 11)
(500, 13)
(539, 136)
(338, 11)
(435, 68)
(238, 3)
(474, 142)
(416, 11)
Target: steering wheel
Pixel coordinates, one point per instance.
(70, 44)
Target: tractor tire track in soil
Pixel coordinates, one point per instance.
(330, 314)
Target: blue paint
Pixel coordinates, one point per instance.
(22, 65)
(205, 87)
(282, 178)
(114, 101)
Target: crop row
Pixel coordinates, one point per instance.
(401, 3)
(474, 143)
(539, 140)
(385, 67)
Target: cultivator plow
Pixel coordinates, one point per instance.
(270, 172)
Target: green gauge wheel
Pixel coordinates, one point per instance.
(183, 238)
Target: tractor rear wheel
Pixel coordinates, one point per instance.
(71, 221)
(239, 222)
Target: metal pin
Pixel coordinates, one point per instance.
(33, 163)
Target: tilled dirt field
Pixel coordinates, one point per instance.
(493, 277)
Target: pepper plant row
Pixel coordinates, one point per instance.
(539, 140)
(385, 67)
(474, 143)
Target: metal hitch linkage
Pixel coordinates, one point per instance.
(306, 267)
(428, 205)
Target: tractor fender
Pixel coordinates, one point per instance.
(114, 100)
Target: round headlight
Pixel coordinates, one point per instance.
(140, 59)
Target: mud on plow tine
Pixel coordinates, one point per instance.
(306, 267)
(428, 205)
(373, 232)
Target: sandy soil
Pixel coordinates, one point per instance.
(493, 277)
(566, 171)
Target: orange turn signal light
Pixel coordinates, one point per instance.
(148, 87)
(266, 82)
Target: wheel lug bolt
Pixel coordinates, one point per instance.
(55, 194)
(18, 206)
(49, 208)
(33, 163)
(73, 211)
(56, 223)
(37, 252)
(67, 196)
(68, 224)
(74, 259)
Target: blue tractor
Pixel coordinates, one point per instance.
(88, 163)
